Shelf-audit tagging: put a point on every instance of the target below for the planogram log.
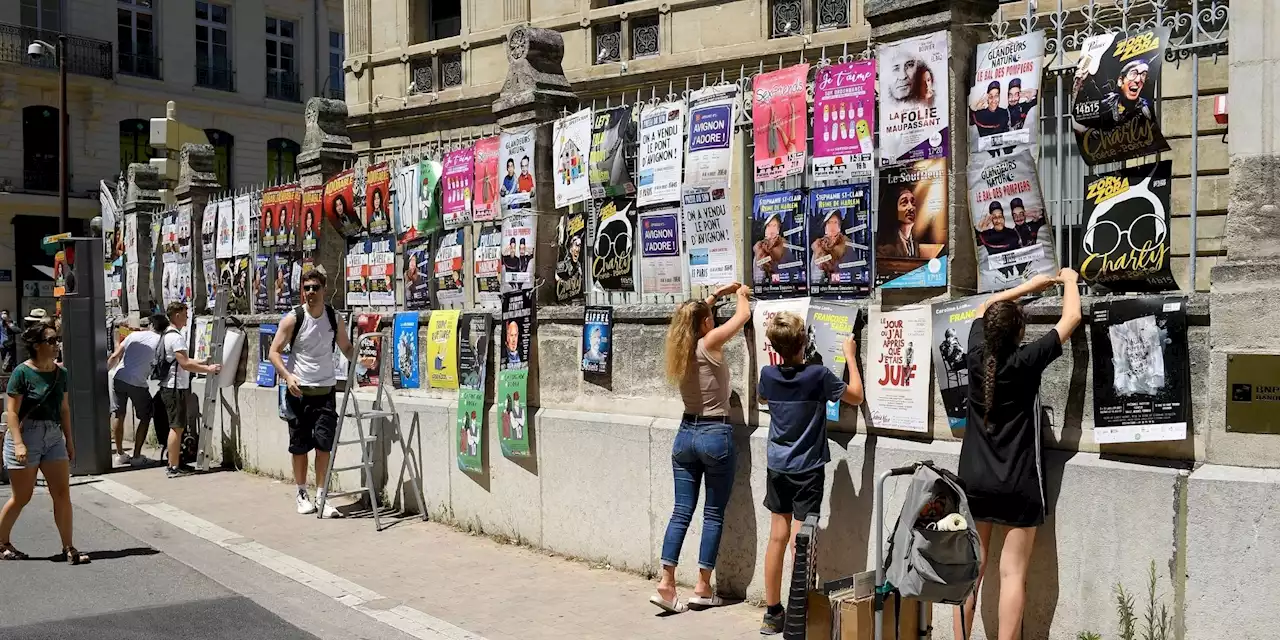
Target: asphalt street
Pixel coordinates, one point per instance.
(149, 579)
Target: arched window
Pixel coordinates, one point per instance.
(135, 143)
(282, 157)
(40, 148)
(223, 150)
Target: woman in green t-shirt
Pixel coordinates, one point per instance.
(39, 438)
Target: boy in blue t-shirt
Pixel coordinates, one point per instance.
(797, 394)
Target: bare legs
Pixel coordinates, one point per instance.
(117, 432)
(300, 468)
(1015, 561)
(782, 534)
(667, 584)
(24, 482)
(57, 474)
(175, 445)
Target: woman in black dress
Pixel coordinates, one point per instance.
(1000, 456)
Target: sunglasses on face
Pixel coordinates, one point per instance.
(51, 340)
(309, 288)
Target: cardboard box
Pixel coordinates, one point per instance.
(854, 618)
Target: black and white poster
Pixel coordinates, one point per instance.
(597, 340)
(570, 235)
(474, 332)
(1126, 244)
(1114, 106)
(1009, 221)
(613, 260)
(951, 323)
(612, 134)
(517, 328)
(1141, 369)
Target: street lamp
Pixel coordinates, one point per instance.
(37, 50)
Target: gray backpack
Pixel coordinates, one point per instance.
(927, 564)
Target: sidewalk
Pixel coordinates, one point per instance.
(499, 592)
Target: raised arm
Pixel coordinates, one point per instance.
(1071, 315)
(853, 395)
(716, 338)
(1034, 285)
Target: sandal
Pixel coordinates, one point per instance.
(8, 552)
(75, 557)
(670, 606)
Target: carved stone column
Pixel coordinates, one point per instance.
(326, 150)
(141, 202)
(197, 182)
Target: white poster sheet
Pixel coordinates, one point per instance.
(661, 154)
(897, 368)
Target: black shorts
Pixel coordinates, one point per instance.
(315, 421)
(124, 393)
(798, 494)
(175, 406)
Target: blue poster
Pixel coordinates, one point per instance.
(597, 340)
(404, 375)
(839, 239)
(778, 250)
(266, 371)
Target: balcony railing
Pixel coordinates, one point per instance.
(283, 85)
(216, 77)
(83, 56)
(143, 66)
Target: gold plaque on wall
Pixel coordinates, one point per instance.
(1253, 393)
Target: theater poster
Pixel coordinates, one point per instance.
(911, 239)
(515, 160)
(844, 116)
(339, 204)
(404, 375)
(449, 272)
(405, 197)
(474, 332)
(226, 230)
(709, 158)
(658, 174)
(271, 202)
(1004, 100)
(208, 233)
(297, 226)
(778, 252)
(570, 253)
(470, 430)
(951, 323)
(763, 311)
(513, 376)
(780, 115)
(517, 329)
(570, 146)
(486, 180)
(1009, 221)
(1141, 369)
(897, 368)
(286, 297)
(455, 201)
(708, 225)
(597, 340)
(518, 251)
(613, 132)
(240, 241)
(1126, 244)
(417, 276)
(357, 268)
(368, 349)
(661, 263)
(914, 99)
(839, 240)
(613, 257)
(266, 370)
(211, 280)
(442, 349)
(377, 200)
(488, 264)
(381, 272)
(1115, 111)
(830, 324)
(312, 214)
(262, 283)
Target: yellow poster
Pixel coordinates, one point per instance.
(442, 349)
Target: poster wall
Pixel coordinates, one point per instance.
(570, 236)
(897, 380)
(473, 357)
(404, 375)
(1009, 221)
(844, 116)
(658, 172)
(312, 208)
(515, 156)
(781, 117)
(1004, 100)
(241, 246)
(488, 264)
(1141, 369)
(368, 349)
(448, 269)
(1114, 107)
(914, 99)
(777, 244)
(266, 370)
(571, 144)
(417, 282)
(339, 204)
(485, 203)
(760, 315)
(951, 323)
(442, 349)
(911, 241)
(839, 240)
(708, 221)
(612, 133)
(613, 257)
(377, 200)
(597, 340)
(357, 265)
(1126, 243)
(709, 159)
(661, 264)
(517, 251)
(381, 272)
(455, 205)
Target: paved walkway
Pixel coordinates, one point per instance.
(477, 587)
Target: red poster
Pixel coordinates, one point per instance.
(377, 199)
(368, 349)
(338, 204)
(312, 212)
(267, 220)
(485, 187)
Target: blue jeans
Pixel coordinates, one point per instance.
(702, 449)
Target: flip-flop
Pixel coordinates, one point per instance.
(669, 606)
(706, 601)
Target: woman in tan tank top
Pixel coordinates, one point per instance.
(703, 448)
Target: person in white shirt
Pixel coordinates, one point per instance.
(175, 385)
(135, 357)
(310, 333)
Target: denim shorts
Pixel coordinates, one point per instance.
(45, 443)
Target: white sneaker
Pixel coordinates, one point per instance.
(123, 459)
(331, 511)
(305, 506)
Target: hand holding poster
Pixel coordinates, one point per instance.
(661, 150)
(830, 324)
(597, 340)
(485, 204)
(456, 192)
(1141, 370)
(442, 349)
(1114, 109)
(613, 265)
(781, 117)
(661, 265)
(569, 239)
(377, 201)
(1004, 113)
(1126, 244)
(368, 349)
(952, 321)
(339, 204)
(844, 116)
(898, 368)
(515, 156)
(839, 239)
(571, 143)
(760, 315)
(417, 282)
(914, 99)
(448, 269)
(713, 259)
(777, 250)
(613, 132)
(911, 243)
(404, 375)
(1009, 221)
(709, 162)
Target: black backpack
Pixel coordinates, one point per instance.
(297, 324)
(162, 365)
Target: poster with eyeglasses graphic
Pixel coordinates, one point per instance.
(1009, 221)
(1126, 244)
(1141, 369)
(1114, 106)
(613, 255)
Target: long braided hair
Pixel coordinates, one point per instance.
(1002, 327)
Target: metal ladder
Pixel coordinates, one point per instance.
(385, 409)
(212, 392)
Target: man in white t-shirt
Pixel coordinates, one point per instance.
(175, 386)
(135, 355)
(310, 333)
